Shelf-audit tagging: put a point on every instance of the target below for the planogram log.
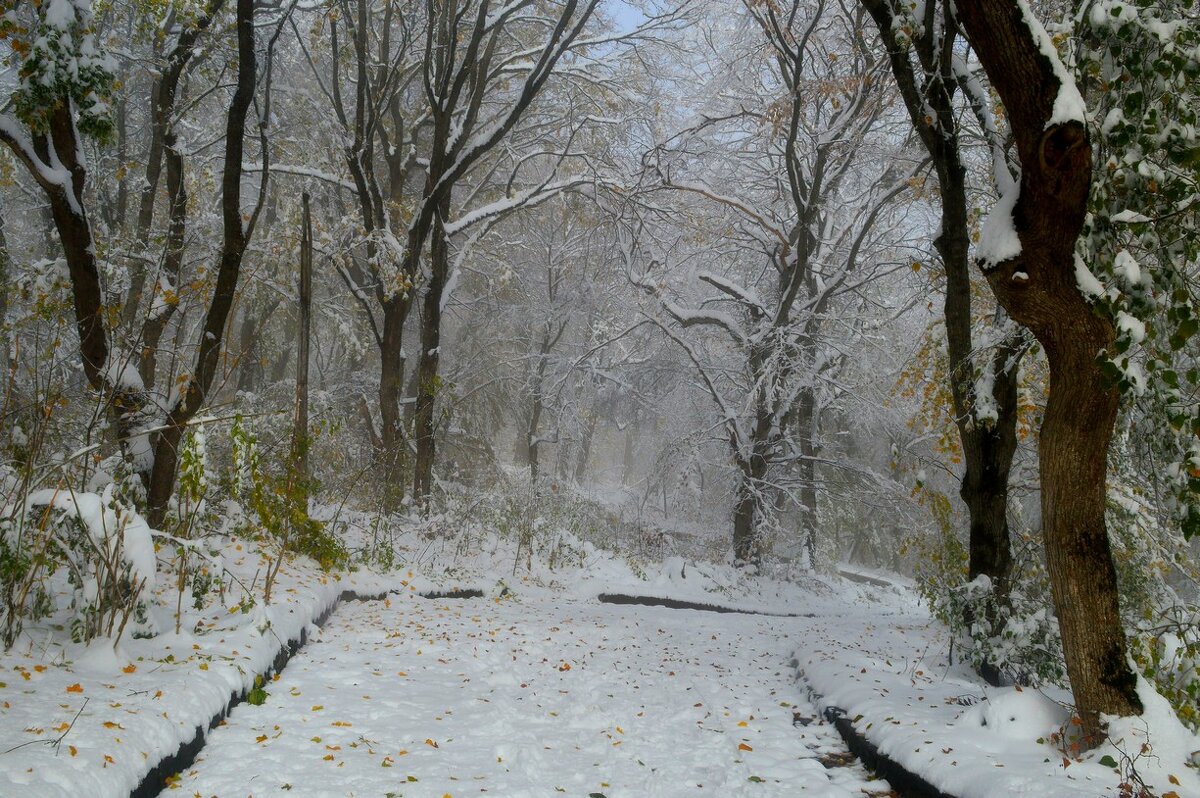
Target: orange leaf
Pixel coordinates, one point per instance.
(130, 668)
(73, 750)
(75, 688)
(744, 747)
(431, 743)
(1171, 778)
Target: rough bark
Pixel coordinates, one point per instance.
(1038, 289)
(424, 426)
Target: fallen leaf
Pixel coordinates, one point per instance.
(130, 668)
(75, 688)
(744, 747)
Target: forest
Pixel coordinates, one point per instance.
(337, 333)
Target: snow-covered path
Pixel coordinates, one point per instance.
(532, 696)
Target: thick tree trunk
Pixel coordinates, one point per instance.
(1080, 414)
(743, 523)
(1038, 288)
(427, 368)
(806, 470)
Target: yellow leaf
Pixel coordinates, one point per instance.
(743, 724)
(73, 750)
(318, 707)
(431, 743)
(744, 747)
(260, 738)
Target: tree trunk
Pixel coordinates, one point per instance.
(627, 461)
(585, 445)
(988, 447)
(745, 511)
(164, 307)
(532, 441)
(1038, 288)
(300, 429)
(807, 472)
(250, 365)
(236, 236)
(427, 368)
(5, 264)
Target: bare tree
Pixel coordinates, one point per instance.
(816, 234)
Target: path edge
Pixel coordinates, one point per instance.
(156, 780)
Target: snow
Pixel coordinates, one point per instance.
(121, 373)
(60, 14)
(1126, 267)
(998, 239)
(103, 524)
(1068, 103)
(529, 694)
(1133, 327)
(1088, 285)
(538, 687)
(889, 671)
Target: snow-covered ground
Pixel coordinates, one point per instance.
(532, 694)
(538, 687)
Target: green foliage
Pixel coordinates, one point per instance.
(1167, 653)
(1139, 61)
(257, 696)
(1015, 632)
(62, 62)
(86, 535)
(280, 503)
